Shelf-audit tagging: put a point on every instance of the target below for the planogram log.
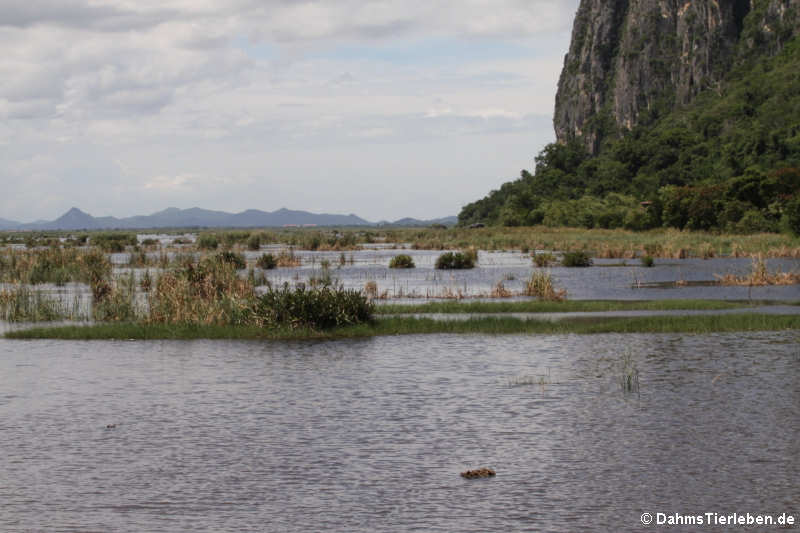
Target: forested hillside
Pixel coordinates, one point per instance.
(728, 159)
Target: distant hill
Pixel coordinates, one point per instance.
(8, 224)
(172, 217)
(406, 222)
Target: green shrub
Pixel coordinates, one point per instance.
(208, 241)
(266, 261)
(114, 242)
(792, 214)
(647, 261)
(254, 242)
(319, 308)
(150, 242)
(544, 259)
(401, 261)
(576, 259)
(455, 261)
(232, 258)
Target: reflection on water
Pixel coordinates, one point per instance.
(370, 435)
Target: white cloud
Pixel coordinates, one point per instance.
(201, 97)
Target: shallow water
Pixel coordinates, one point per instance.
(602, 281)
(370, 435)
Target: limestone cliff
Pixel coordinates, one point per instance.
(630, 60)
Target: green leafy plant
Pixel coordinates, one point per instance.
(401, 261)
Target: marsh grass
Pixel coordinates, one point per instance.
(266, 262)
(565, 306)
(22, 304)
(456, 260)
(544, 259)
(401, 261)
(660, 243)
(628, 374)
(540, 285)
(578, 258)
(759, 275)
(53, 265)
(288, 259)
(419, 326)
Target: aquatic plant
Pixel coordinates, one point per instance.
(232, 258)
(288, 259)
(541, 286)
(21, 303)
(455, 261)
(317, 307)
(576, 259)
(267, 262)
(254, 242)
(210, 292)
(401, 261)
(114, 242)
(544, 259)
(500, 291)
(629, 374)
(647, 261)
(759, 275)
(207, 241)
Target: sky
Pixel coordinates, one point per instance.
(385, 109)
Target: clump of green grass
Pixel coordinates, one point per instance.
(629, 374)
(402, 261)
(455, 261)
(21, 304)
(237, 260)
(544, 259)
(254, 242)
(317, 308)
(207, 241)
(540, 285)
(647, 261)
(267, 262)
(576, 259)
(114, 242)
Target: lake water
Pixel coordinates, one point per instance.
(370, 435)
(616, 279)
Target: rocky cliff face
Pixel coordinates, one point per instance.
(630, 60)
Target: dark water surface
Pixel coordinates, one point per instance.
(370, 435)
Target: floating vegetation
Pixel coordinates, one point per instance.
(478, 473)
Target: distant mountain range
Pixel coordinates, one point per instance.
(172, 217)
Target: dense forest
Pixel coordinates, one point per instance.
(728, 161)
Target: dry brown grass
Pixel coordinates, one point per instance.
(759, 275)
(500, 291)
(288, 259)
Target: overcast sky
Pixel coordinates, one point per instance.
(385, 108)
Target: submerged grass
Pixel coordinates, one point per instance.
(566, 306)
(420, 326)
